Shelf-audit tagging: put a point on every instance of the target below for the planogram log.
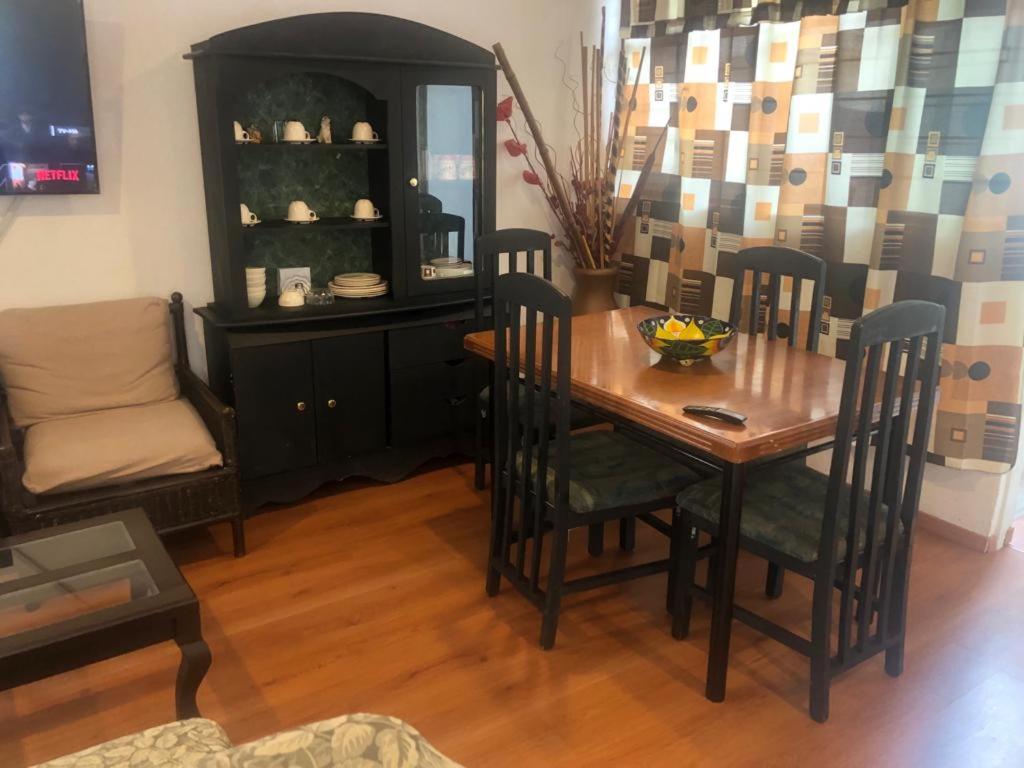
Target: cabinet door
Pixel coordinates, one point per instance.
(351, 395)
(448, 157)
(433, 402)
(274, 400)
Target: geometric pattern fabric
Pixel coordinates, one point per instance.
(887, 139)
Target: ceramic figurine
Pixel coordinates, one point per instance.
(324, 137)
(255, 135)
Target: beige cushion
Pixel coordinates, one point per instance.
(64, 361)
(117, 446)
(174, 745)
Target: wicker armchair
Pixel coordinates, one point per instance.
(172, 502)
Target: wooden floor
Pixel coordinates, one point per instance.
(372, 600)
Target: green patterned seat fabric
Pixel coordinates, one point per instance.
(578, 418)
(783, 509)
(175, 745)
(608, 469)
(360, 741)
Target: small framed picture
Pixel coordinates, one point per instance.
(289, 278)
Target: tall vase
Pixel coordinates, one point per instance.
(595, 290)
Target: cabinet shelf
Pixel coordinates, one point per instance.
(336, 222)
(341, 146)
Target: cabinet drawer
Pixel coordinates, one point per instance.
(428, 343)
(432, 401)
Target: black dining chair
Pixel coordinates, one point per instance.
(852, 536)
(536, 246)
(526, 250)
(774, 263)
(547, 483)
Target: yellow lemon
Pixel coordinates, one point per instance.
(691, 332)
(673, 327)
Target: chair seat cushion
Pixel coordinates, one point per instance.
(578, 418)
(183, 743)
(57, 362)
(783, 509)
(117, 446)
(358, 740)
(608, 469)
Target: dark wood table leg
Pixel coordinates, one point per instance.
(725, 580)
(195, 661)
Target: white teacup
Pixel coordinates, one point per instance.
(364, 209)
(240, 134)
(364, 132)
(248, 217)
(299, 212)
(296, 131)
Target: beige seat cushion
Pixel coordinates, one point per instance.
(65, 361)
(174, 745)
(117, 446)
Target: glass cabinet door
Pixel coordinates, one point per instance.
(444, 167)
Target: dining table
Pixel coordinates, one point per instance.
(789, 396)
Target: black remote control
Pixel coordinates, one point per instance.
(711, 412)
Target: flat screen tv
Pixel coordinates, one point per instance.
(47, 142)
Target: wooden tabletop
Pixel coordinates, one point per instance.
(790, 396)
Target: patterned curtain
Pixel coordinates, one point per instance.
(887, 138)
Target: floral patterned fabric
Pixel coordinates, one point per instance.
(609, 470)
(782, 508)
(351, 741)
(182, 744)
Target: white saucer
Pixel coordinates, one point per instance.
(253, 223)
(371, 218)
(302, 221)
(365, 141)
(300, 141)
(243, 141)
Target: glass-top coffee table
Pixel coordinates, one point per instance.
(88, 591)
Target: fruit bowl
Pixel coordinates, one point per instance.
(686, 338)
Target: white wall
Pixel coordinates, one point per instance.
(146, 232)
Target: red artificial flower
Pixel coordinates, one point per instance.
(504, 109)
(531, 178)
(515, 148)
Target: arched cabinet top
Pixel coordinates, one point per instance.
(368, 37)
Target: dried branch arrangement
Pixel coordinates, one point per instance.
(583, 204)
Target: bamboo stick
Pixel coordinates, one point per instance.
(616, 136)
(572, 230)
(641, 182)
(599, 163)
(585, 141)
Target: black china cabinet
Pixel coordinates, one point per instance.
(361, 386)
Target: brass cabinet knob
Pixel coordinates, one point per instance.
(300, 406)
(414, 182)
(332, 403)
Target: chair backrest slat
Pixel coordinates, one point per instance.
(856, 513)
(879, 506)
(777, 262)
(868, 603)
(509, 242)
(530, 400)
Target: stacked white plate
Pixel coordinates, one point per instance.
(358, 285)
(452, 268)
